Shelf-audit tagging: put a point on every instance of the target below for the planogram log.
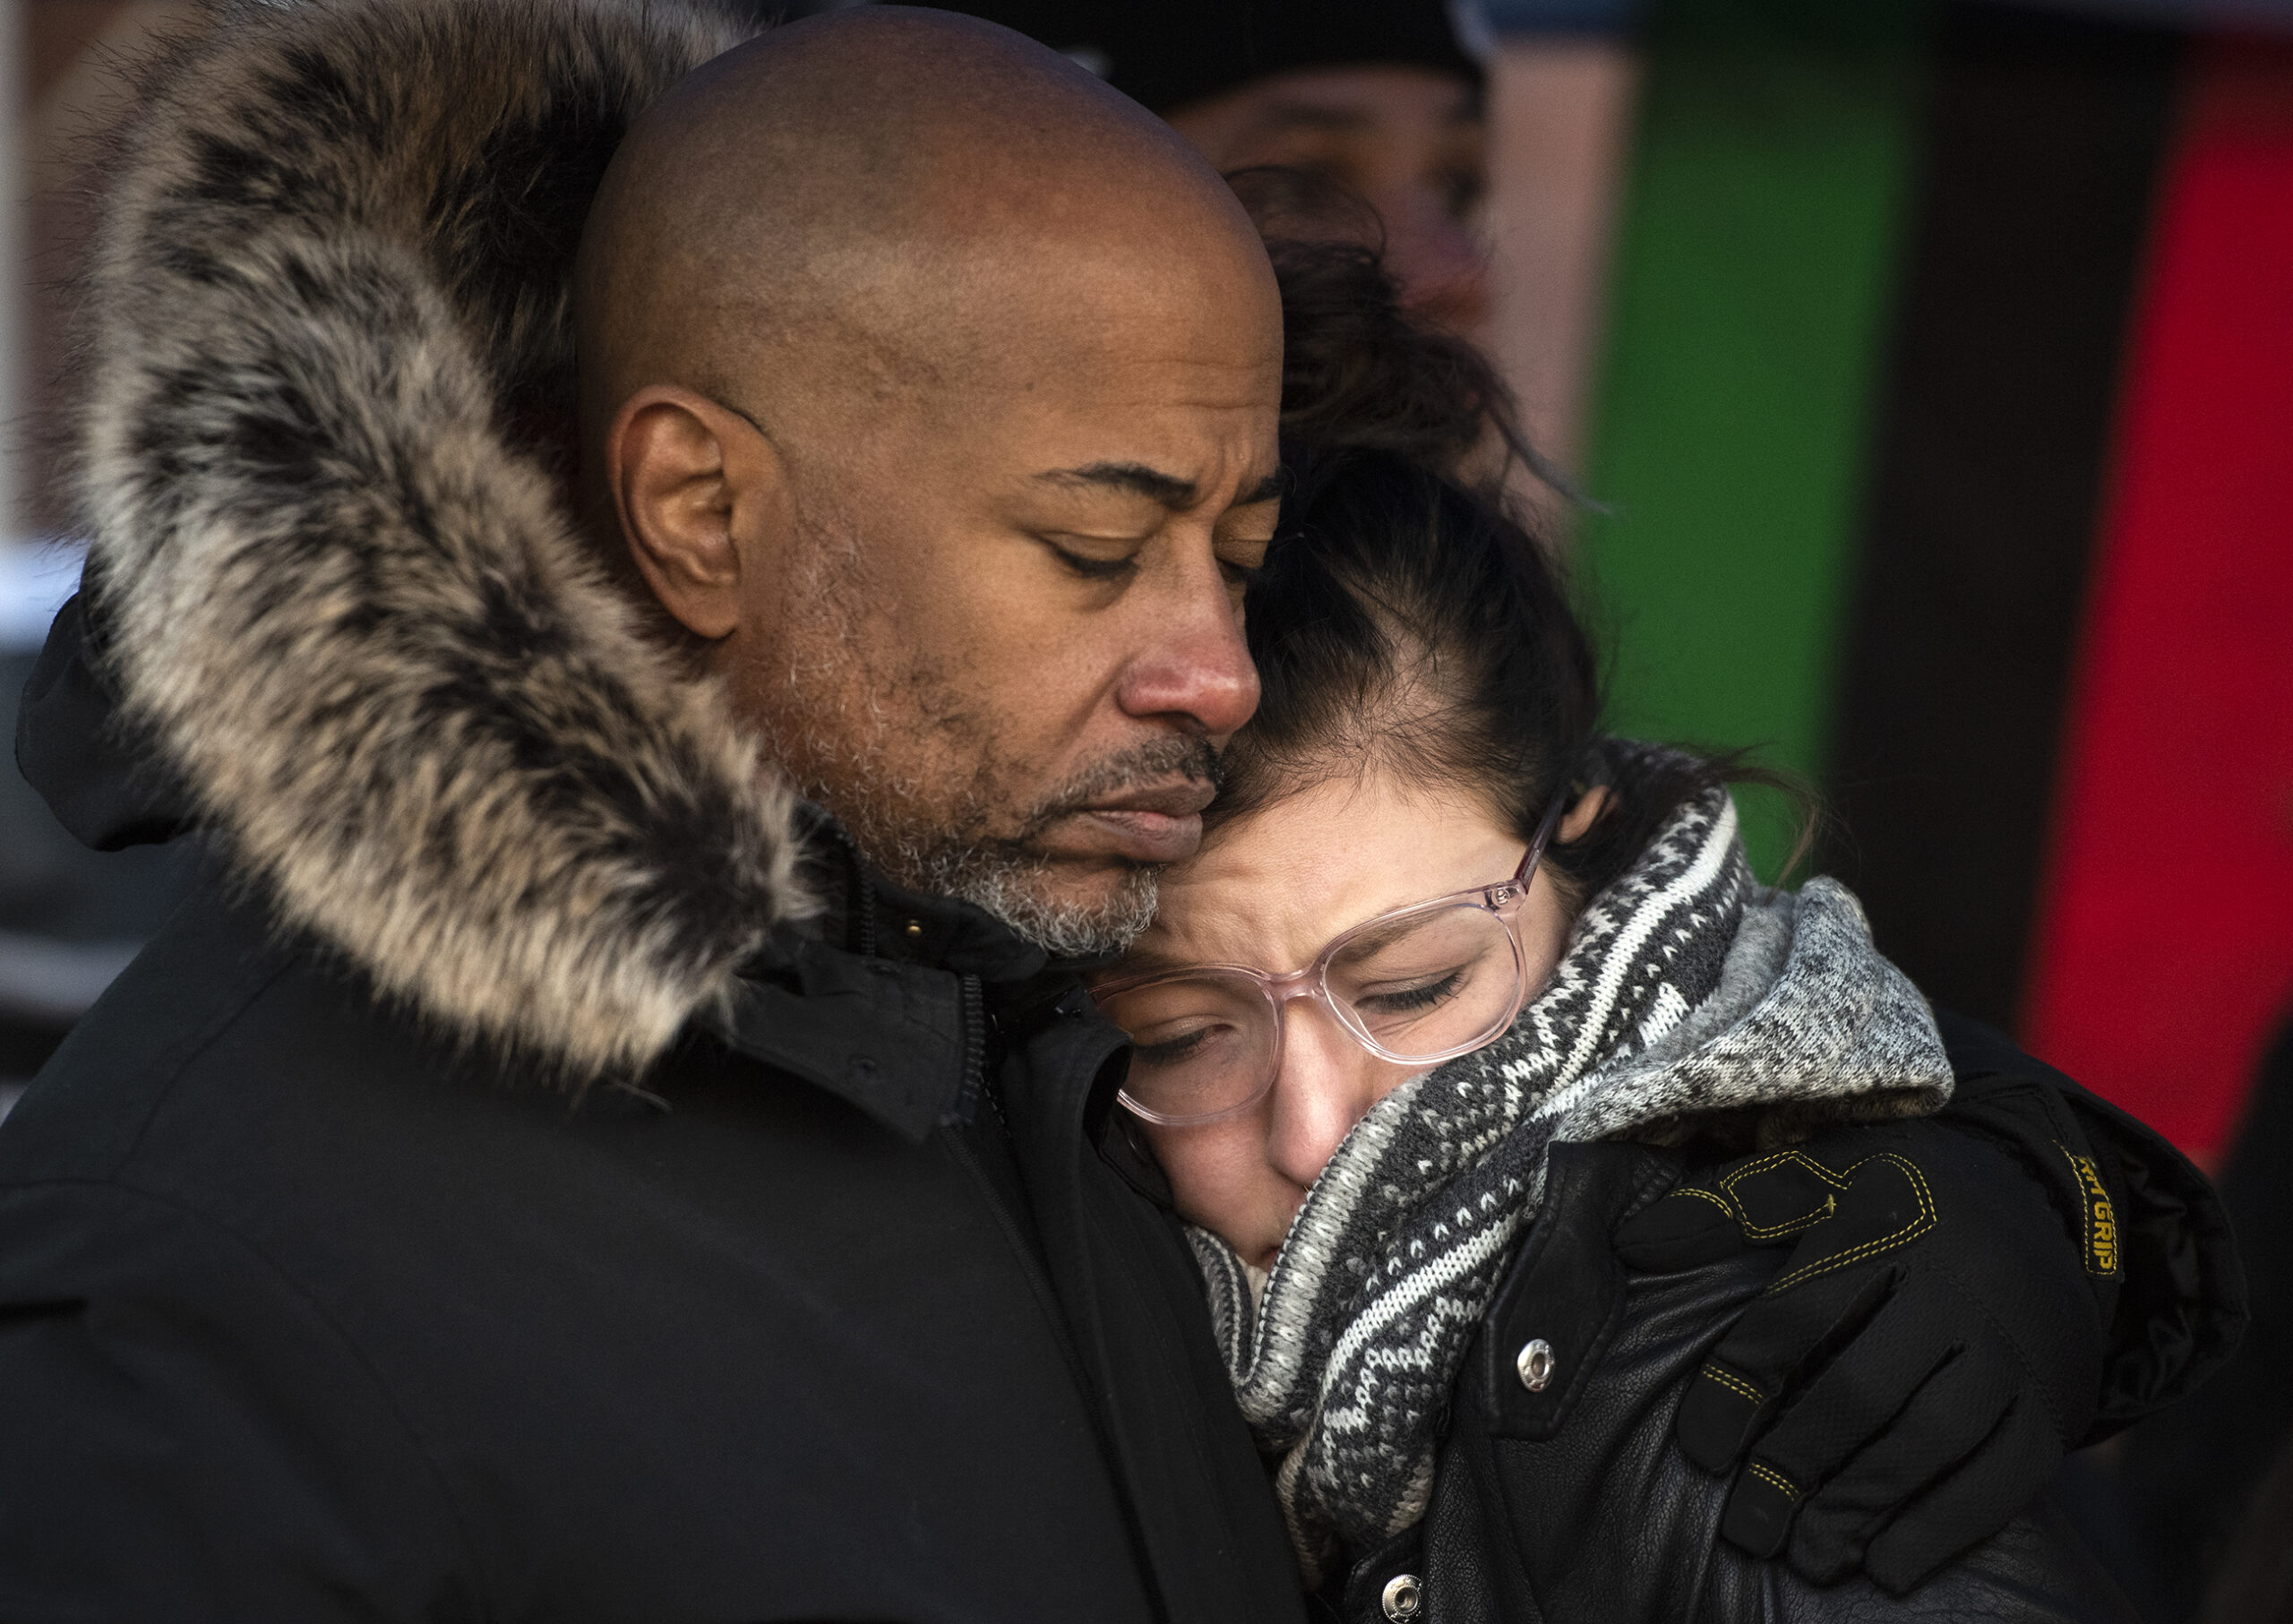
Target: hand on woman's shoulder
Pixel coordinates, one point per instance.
(1823, 1377)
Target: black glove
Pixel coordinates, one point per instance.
(1932, 1345)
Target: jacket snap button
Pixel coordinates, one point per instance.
(1536, 1364)
(1403, 1597)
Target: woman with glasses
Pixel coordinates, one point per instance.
(1443, 931)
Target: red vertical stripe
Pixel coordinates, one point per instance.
(2165, 952)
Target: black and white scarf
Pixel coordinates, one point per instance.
(1686, 989)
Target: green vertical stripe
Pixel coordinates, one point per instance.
(1754, 274)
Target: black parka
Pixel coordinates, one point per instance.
(305, 1315)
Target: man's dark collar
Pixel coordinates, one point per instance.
(867, 913)
(884, 998)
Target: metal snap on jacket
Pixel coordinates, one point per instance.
(1536, 1364)
(1404, 1597)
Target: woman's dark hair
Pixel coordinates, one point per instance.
(1358, 369)
(1405, 618)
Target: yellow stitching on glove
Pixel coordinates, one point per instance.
(1701, 1194)
(1909, 1232)
(1775, 1478)
(1734, 1384)
(1780, 1158)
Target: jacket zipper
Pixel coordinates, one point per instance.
(866, 944)
(975, 1078)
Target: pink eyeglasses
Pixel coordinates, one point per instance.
(1416, 986)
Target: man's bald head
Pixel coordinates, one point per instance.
(876, 201)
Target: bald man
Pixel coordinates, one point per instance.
(945, 439)
(614, 1137)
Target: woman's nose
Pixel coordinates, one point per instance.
(1327, 1083)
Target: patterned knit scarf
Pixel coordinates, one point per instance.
(1686, 988)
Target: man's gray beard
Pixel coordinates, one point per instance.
(1008, 885)
(843, 713)
(1007, 875)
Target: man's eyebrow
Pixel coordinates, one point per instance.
(1167, 489)
(1135, 477)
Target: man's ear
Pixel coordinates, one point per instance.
(701, 497)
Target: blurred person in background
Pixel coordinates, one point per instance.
(1385, 97)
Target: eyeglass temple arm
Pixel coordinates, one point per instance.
(1544, 834)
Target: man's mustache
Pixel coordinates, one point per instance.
(1149, 765)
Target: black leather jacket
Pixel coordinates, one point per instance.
(1574, 1504)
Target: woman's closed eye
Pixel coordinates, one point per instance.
(1428, 993)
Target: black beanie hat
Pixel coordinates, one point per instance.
(1168, 53)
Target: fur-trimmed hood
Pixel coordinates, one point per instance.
(332, 571)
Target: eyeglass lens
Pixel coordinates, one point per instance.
(1420, 988)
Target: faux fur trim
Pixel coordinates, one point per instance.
(337, 580)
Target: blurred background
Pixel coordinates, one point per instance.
(1929, 367)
